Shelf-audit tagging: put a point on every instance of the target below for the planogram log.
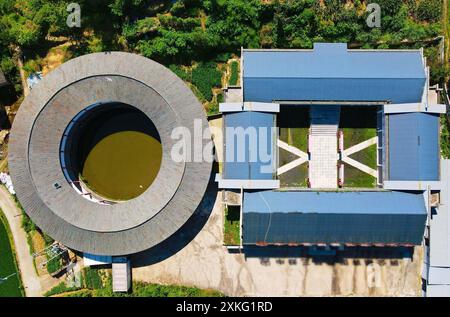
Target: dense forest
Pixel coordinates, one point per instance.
(196, 37)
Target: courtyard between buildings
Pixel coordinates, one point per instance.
(328, 146)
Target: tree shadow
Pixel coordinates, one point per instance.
(184, 235)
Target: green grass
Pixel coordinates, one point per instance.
(354, 178)
(298, 137)
(368, 156)
(54, 265)
(12, 287)
(353, 136)
(92, 278)
(358, 125)
(232, 222)
(234, 76)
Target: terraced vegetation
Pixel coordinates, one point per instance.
(190, 33)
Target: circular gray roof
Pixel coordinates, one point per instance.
(34, 154)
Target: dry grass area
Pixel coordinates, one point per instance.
(38, 244)
(55, 57)
(4, 152)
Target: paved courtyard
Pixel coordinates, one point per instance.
(323, 146)
(323, 163)
(195, 256)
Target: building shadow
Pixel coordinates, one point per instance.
(184, 235)
(301, 253)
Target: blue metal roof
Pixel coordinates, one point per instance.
(413, 146)
(331, 72)
(339, 202)
(251, 156)
(277, 217)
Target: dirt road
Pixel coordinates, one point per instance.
(30, 279)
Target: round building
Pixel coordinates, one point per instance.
(90, 154)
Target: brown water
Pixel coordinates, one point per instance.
(122, 165)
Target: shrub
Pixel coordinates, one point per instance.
(205, 77)
(32, 66)
(54, 265)
(180, 72)
(60, 288)
(95, 44)
(155, 290)
(80, 293)
(27, 224)
(48, 240)
(234, 73)
(213, 108)
(445, 137)
(223, 57)
(429, 10)
(220, 97)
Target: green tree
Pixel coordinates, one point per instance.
(235, 22)
(429, 10)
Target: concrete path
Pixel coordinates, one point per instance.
(323, 146)
(360, 146)
(360, 166)
(13, 214)
(293, 164)
(292, 149)
(356, 148)
(323, 164)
